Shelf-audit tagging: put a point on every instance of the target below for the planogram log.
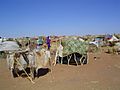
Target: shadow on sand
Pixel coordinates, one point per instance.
(72, 60)
(40, 72)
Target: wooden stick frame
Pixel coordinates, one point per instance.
(25, 71)
(69, 57)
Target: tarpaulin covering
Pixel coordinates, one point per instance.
(74, 46)
(9, 46)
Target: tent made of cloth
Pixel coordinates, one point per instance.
(9, 46)
(113, 38)
(74, 46)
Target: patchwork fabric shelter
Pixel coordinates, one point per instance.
(74, 46)
(69, 47)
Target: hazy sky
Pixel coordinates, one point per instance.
(58, 17)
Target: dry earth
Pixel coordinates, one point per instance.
(100, 74)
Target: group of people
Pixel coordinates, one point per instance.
(31, 45)
(40, 43)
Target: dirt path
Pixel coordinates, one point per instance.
(100, 74)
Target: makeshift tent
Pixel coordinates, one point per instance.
(81, 39)
(16, 57)
(94, 43)
(69, 47)
(107, 37)
(9, 46)
(113, 38)
(74, 45)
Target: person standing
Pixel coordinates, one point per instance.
(39, 43)
(48, 42)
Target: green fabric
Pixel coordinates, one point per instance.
(72, 45)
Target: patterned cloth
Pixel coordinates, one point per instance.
(74, 45)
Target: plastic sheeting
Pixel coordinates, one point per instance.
(74, 45)
(9, 46)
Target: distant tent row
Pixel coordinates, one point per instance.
(111, 38)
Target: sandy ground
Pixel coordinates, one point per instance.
(100, 74)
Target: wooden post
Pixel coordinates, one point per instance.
(75, 59)
(69, 58)
(26, 72)
(61, 60)
(84, 59)
(87, 58)
(81, 59)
